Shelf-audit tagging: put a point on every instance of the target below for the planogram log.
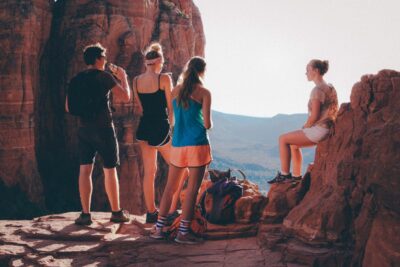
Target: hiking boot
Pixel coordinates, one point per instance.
(120, 216)
(157, 233)
(84, 219)
(151, 217)
(280, 178)
(189, 239)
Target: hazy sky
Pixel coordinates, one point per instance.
(257, 50)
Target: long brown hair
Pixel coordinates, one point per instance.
(189, 79)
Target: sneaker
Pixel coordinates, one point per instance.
(172, 216)
(157, 233)
(297, 178)
(280, 178)
(189, 239)
(151, 217)
(84, 219)
(120, 216)
(293, 179)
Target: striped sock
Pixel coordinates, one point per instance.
(161, 221)
(184, 227)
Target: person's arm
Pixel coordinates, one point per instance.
(122, 90)
(66, 103)
(315, 111)
(166, 84)
(174, 94)
(206, 109)
(136, 96)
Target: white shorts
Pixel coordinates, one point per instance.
(316, 133)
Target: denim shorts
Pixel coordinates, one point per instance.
(93, 140)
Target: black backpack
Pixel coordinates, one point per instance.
(82, 98)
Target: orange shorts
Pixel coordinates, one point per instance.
(190, 156)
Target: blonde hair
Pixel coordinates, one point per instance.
(154, 50)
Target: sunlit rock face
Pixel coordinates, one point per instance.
(41, 50)
(354, 195)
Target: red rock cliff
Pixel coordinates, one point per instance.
(39, 61)
(24, 30)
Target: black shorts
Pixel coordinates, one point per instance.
(155, 132)
(93, 140)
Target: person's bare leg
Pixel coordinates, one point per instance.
(175, 198)
(195, 177)
(165, 153)
(112, 187)
(284, 154)
(297, 138)
(172, 184)
(85, 186)
(149, 156)
(297, 160)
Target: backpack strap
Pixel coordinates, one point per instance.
(241, 172)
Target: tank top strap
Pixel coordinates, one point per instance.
(159, 83)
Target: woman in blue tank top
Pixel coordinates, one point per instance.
(190, 146)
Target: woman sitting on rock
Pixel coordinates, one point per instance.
(190, 146)
(322, 111)
(153, 90)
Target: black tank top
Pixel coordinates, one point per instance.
(154, 104)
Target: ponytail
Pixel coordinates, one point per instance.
(189, 79)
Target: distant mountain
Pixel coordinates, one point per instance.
(251, 143)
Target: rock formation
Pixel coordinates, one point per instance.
(24, 27)
(42, 44)
(352, 206)
(282, 198)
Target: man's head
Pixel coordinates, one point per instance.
(93, 52)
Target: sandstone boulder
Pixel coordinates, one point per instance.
(283, 197)
(249, 208)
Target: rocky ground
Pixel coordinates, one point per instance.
(55, 241)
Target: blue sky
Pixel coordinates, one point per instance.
(257, 50)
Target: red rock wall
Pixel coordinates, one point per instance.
(125, 28)
(355, 188)
(24, 29)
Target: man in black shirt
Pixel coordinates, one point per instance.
(97, 133)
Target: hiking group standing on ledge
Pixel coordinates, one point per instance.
(174, 122)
